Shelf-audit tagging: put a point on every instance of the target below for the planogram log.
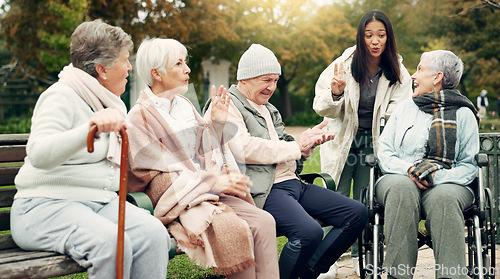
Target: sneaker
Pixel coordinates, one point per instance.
(331, 274)
(355, 263)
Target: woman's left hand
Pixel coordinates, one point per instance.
(423, 185)
(220, 104)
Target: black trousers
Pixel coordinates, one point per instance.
(295, 206)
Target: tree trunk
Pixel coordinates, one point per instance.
(286, 108)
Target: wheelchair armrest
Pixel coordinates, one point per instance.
(327, 179)
(482, 160)
(141, 200)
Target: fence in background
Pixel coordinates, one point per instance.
(490, 145)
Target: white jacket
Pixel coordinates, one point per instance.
(58, 165)
(343, 114)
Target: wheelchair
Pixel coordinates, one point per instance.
(480, 236)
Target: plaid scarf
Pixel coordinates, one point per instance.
(440, 147)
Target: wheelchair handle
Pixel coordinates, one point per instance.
(371, 160)
(382, 124)
(482, 160)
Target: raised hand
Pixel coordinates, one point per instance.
(220, 104)
(337, 84)
(313, 137)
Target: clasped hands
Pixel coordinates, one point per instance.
(421, 184)
(234, 184)
(313, 137)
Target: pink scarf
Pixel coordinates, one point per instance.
(98, 98)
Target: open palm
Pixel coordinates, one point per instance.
(220, 104)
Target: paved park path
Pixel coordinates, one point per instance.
(424, 268)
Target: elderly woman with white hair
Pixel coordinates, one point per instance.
(179, 160)
(427, 154)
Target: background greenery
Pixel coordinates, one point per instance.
(306, 36)
(17, 125)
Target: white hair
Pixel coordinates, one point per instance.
(157, 54)
(446, 62)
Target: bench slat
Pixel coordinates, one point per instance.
(7, 196)
(15, 255)
(4, 220)
(7, 175)
(12, 153)
(14, 139)
(51, 265)
(6, 242)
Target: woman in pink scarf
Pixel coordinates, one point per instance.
(66, 198)
(196, 188)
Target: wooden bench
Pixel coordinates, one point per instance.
(15, 262)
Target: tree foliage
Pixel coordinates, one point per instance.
(38, 33)
(469, 28)
(473, 28)
(304, 36)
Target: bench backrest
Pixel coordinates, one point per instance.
(12, 153)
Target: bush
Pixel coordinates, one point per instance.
(16, 125)
(307, 119)
(489, 126)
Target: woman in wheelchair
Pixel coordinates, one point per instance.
(426, 153)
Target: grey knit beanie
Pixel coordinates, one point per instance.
(257, 61)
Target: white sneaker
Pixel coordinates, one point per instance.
(331, 274)
(355, 263)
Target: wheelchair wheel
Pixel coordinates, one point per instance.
(371, 243)
(488, 251)
(363, 243)
(481, 240)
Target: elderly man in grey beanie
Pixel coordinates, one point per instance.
(270, 158)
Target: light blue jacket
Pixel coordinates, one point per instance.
(397, 154)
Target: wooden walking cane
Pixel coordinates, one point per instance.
(121, 194)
